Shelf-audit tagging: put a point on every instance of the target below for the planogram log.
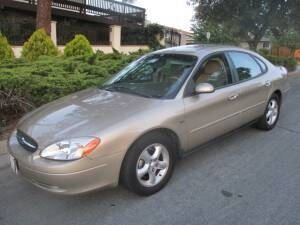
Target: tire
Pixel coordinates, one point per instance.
(155, 169)
(267, 122)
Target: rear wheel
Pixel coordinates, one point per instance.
(270, 118)
(148, 164)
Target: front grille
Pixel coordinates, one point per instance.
(26, 142)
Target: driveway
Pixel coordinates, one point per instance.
(251, 177)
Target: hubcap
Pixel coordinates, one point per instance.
(272, 113)
(152, 165)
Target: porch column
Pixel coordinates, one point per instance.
(115, 37)
(54, 32)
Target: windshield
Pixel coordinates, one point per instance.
(154, 76)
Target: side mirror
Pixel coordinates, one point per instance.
(204, 88)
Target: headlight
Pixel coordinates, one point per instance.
(71, 149)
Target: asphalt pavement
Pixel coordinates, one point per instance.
(249, 178)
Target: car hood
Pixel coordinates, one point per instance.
(84, 113)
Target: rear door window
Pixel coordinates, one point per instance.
(246, 67)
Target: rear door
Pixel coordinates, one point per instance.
(253, 85)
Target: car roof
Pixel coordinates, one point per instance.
(200, 49)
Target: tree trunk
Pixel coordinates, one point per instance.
(43, 18)
(253, 45)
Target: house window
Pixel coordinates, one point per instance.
(266, 45)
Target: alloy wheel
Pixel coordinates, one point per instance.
(272, 113)
(152, 165)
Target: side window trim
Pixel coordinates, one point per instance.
(186, 92)
(235, 69)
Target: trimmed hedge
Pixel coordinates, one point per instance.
(49, 78)
(79, 46)
(39, 44)
(263, 51)
(6, 52)
(289, 63)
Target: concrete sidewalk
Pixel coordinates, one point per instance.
(3, 147)
(296, 72)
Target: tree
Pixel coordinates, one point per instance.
(44, 13)
(250, 19)
(219, 33)
(290, 39)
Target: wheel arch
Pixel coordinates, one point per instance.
(279, 94)
(169, 132)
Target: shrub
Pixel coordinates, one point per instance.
(25, 84)
(13, 101)
(49, 78)
(263, 51)
(39, 44)
(155, 33)
(78, 46)
(6, 52)
(289, 63)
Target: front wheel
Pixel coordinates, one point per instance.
(270, 118)
(148, 165)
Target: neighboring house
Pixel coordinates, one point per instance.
(99, 20)
(265, 43)
(176, 37)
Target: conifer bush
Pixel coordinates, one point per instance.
(79, 46)
(27, 84)
(39, 44)
(6, 52)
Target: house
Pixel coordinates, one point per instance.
(176, 37)
(101, 21)
(265, 43)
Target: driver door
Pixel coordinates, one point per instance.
(210, 115)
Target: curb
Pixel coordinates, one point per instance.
(294, 74)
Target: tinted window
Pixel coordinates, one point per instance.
(245, 65)
(215, 71)
(262, 64)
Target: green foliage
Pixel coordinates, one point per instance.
(249, 20)
(219, 33)
(39, 44)
(289, 63)
(79, 46)
(263, 51)
(44, 80)
(290, 39)
(155, 33)
(6, 52)
(150, 35)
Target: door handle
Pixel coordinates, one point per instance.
(233, 97)
(267, 83)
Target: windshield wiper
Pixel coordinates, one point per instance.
(126, 90)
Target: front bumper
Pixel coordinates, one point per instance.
(68, 178)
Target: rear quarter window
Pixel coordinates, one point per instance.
(262, 64)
